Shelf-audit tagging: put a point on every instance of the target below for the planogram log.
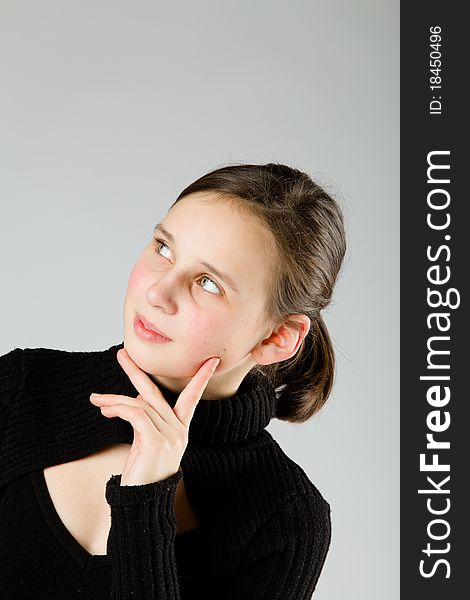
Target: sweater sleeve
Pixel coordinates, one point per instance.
(11, 373)
(286, 556)
(283, 561)
(141, 539)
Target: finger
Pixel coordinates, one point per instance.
(190, 396)
(145, 386)
(136, 416)
(108, 400)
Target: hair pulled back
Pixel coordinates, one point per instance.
(307, 227)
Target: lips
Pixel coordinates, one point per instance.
(152, 327)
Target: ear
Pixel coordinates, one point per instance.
(283, 342)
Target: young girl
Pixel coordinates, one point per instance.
(222, 332)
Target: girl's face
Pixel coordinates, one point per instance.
(204, 313)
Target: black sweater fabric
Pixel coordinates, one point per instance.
(264, 528)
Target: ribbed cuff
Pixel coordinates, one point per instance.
(125, 495)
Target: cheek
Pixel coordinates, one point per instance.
(137, 279)
(207, 335)
(204, 331)
(210, 335)
(137, 276)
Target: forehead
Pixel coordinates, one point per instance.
(218, 231)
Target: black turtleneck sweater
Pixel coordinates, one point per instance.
(264, 528)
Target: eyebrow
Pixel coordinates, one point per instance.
(159, 227)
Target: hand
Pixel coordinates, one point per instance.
(160, 432)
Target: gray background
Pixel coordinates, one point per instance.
(110, 108)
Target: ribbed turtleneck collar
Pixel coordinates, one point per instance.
(214, 422)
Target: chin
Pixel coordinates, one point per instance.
(152, 362)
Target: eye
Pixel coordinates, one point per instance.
(219, 291)
(158, 244)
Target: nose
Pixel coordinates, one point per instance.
(162, 293)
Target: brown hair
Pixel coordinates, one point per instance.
(307, 227)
